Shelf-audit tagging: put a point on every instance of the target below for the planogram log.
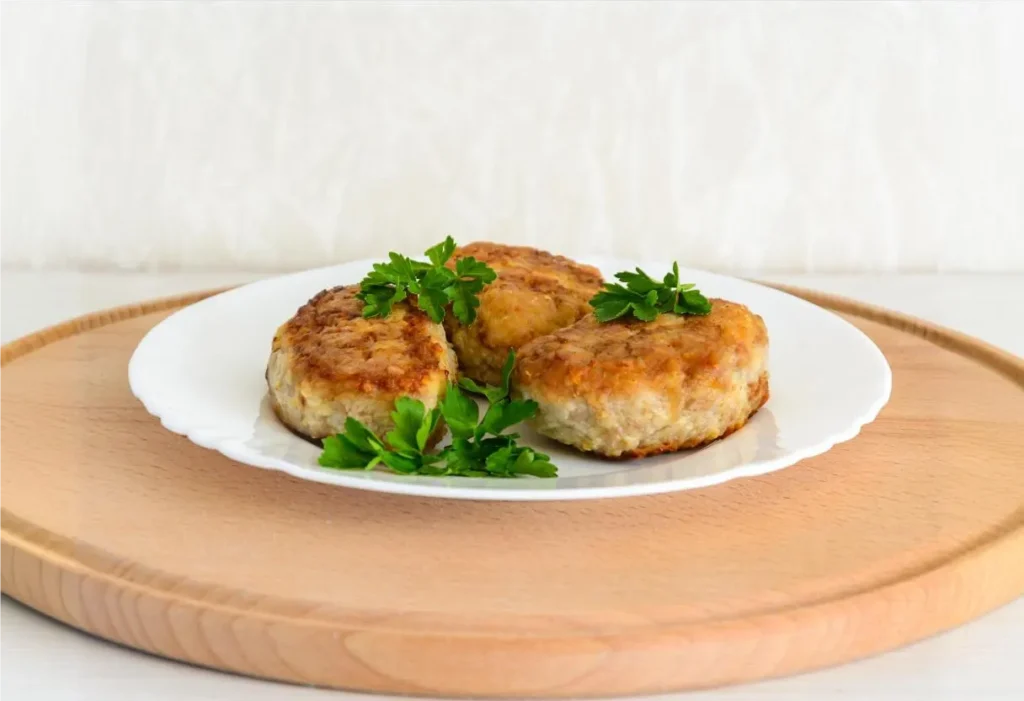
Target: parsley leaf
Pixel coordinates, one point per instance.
(402, 268)
(471, 276)
(413, 426)
(494, 394)
(530, 462)
(378, 299)
(479, 447)
(646, 298)
(470, 267)
(499, 461)
(433, 295)
(502, 412)
(401, 463)
(490, 457)
(435, 285)
(460, 413)
(357, 448)
(440, 253)
(505, 414)
(464, 301)
(504, 458)
(483, 448)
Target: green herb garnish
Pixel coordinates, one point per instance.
(359, 449)
(479, 447)
(646, 298)
(494, 394)
(434, 285)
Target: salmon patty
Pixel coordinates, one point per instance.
(627, 388)
(534, 294)
(328, 363)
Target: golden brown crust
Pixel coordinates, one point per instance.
(536, 292)
(332, 346)
(544, 264)
(623, 357)
(631, 389)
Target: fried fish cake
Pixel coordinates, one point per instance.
(535, 293)
(328, 363)
(630, 389)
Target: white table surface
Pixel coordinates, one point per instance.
(984, 659)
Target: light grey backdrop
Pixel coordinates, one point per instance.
(777, 136)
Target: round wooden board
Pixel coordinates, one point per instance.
(117, 527)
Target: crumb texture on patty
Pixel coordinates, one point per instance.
(536, 292)
(629, 388)
(327, 363)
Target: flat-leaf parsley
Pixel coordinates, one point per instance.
(434, 285)
(479, 446)
(646, 298)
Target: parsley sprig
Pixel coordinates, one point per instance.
(359, 448)
(646, 298)
(479, 447)
(434, 284)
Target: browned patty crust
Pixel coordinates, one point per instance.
(630, 388)
(327, 362)
(535, 293)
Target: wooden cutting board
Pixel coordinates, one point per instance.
(115, 526)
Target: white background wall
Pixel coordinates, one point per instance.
(809, 136)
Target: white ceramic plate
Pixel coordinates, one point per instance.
(201, 371)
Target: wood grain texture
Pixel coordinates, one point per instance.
(117, 527)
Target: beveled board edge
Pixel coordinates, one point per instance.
(271, 639)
